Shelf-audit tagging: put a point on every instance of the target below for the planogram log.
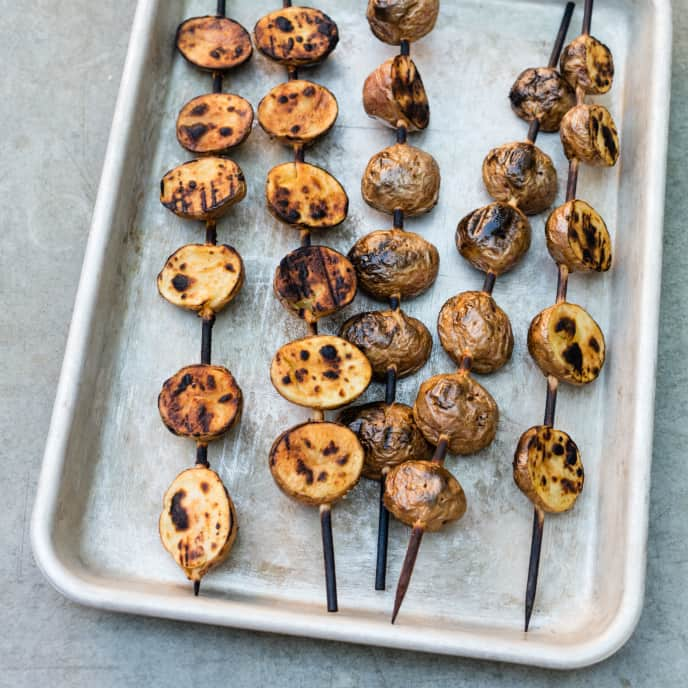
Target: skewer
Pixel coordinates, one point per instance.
(328, 555)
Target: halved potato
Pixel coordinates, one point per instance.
(202, 278)
(214, 43)
(315, 281)
(202, 402)
(296, 36)
(198, 523)
(588, 133)
(316, 462)
(587, 63)
(298, 112)
(203, 189)
(320, 372)
(567, 343)
(542, 94)
(214, 123)
(304, 195)
(548, 469)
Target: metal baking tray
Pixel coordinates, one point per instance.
(109, 459)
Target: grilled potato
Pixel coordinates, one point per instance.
(588, 64)
(567, 343)
(214, 123)
(389, 339)
(298, 112)
(296, 36)
(578, 238)
(401, 177)
(307, 196)
(548, 469)
(395, 20)
(214, 43)
(394, 94)
(423, 493)
(202, 278)
(456, 406)
(388, 435)
(198, 524)
(203, 189)
(541, 93)
(202, 402)
(520, 172)
(494, 238)
(395, 263)
(472, 323)
(588, 133)
(320, 372)
(315, 281)
(317, 462)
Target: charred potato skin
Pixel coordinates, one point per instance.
(588, 64)
(395, 20)
(589, 133)
(542, 94)
(226, 43)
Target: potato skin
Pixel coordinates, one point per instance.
(588, 64)
(395, 20)
(588, 133)
(214, 43)
(541, 93)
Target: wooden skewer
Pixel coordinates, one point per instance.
(328, 555)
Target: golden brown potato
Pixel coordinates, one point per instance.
(401, 177)
(388, 435)
(198, 523)
(456, 406)
(214, 123)
(307, 196)
(520, 172)
(395, 20)
(203, 189)
(567, 343)
(296, 36)
(395, 263)
(472, 323)
(315, 281)
(317, 462)
(298, 112)
(548, 469)
(320, 372)
(214, 43)
(578, 238)
(202, 278)
(588, 133)
(541, 93)
(494, 238)
(202, 402)
(423, 493)
(587, 63)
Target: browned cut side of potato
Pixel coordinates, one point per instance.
(320, 372)
(202, 402)
(304, 195)
(296, 36)
(548, 469)
(198, 524)
(317, 462)
(298, 112)
(202, 278)
(578, 238)
(395, 20)
(541, 93)
(203, 189)
(588, 133)
(567, 343)
(588, 64)
(315, 281)
(214, 43)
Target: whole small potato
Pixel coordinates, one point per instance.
(588, 133)
(393, 21)
(541, 93)
(588, 64)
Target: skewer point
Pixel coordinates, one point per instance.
(197, 588)
(407, 568)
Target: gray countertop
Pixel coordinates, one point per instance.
(60, 77)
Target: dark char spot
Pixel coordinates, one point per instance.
(180, 282)
(178, 514)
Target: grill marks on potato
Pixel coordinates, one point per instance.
(395, 20)
(588, 64)
(588, 132)
(214, 43)
(408, 91)
(542, 94)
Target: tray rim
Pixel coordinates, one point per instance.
(93, 591)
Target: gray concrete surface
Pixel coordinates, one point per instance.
(60, 75)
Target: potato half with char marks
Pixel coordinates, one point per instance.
(588, 64)
(201, 402)
(202, 278)
(548, 469)
(542, 94)
(316, 462)
(203, 189)
(320, 372)
(304, 195)
(567, 343)
(588, 133)
(214, 43)
(393, 21)
(296, 36)
(198, 524)
(315, 281)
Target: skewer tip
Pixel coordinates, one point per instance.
(407, 569)
(197, 588)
